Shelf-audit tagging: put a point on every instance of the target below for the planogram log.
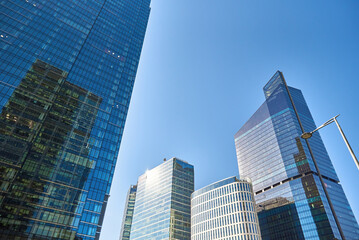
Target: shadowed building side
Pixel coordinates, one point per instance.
(128, 213)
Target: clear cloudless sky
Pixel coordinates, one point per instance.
(200, 78)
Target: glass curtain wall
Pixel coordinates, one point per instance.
(67, 69)
(163, 202)
(271, 152)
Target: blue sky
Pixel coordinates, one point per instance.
(201, 74)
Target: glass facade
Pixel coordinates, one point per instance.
(224, 210)
(128, 213)
(67, 71)
(285, 180)
(163, 202)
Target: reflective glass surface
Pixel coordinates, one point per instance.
(67, 71)
(285, 180)
(163, 202)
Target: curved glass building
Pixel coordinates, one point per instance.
(224, 210)
(297, 195)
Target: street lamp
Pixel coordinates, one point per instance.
(308, 135)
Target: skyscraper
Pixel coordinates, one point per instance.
(128, 213)
(66, 76)
(224, 210)
(294, 193)
(163, 202)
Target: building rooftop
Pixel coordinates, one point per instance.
(218, 184)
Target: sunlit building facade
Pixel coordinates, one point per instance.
(290, 197)
(224, 210)
(163, 202)
(128, 213)
(67, 69)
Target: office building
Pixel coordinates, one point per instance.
(128, 213)
(67, 71)
(224, 210)
(163, 202)
(288, 183)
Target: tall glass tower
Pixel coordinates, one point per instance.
(292, 201)
(163, 202)
(128, 213)
(67, 70)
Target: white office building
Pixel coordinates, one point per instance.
(224, 210)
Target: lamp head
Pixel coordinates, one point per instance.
(306, 135)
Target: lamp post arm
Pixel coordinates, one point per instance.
(347, 143)
(326, 123)
(323, 125)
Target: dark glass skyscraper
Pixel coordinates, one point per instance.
(292, 203)
(67, 71)
(128, 213)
